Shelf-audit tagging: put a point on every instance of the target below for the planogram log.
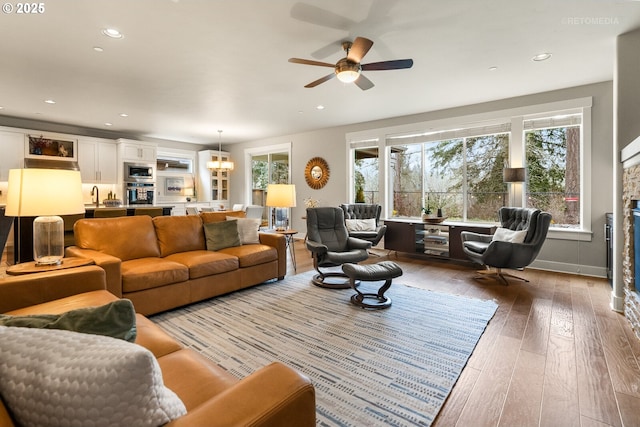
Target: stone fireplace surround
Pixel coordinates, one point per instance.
(630, 157)
(630, 197)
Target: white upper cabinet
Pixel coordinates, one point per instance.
(97, 161)
(12, 149)
(136, 151)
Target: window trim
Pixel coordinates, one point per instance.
(383, 135)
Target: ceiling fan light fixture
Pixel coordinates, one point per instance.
(347, 71)
(348, 76)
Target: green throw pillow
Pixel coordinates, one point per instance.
(116, 319)
(222, 234)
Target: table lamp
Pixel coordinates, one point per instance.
(281, 196)
(46, 194)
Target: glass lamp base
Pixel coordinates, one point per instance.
(48, 240)
(49, 261)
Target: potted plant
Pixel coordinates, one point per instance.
(426, 210)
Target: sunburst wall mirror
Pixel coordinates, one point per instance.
(316, 173)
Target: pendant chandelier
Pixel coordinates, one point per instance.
(220, 165)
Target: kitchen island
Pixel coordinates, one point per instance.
(131, 210)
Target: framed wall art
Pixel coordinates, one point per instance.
(46, 147)
(174, 186)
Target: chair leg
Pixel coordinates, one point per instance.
(498, 274)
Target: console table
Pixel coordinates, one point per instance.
(412, 235)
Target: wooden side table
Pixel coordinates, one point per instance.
(288, 234)
(31, 267)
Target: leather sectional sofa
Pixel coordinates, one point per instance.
(274, 395)
(162, 263)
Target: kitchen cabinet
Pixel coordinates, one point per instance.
(12, 149)
(214, 186)
(97, 161)
(441, 240)
(137, 151)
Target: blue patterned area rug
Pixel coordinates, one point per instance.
(389, 367)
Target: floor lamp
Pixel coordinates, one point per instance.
(281, 196)
(46, 194)
(512, 176)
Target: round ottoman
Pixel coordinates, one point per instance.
(385, 270)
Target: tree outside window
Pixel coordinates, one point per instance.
(553, 173)
(462, 177)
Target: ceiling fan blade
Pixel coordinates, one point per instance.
(388, 65)
(364, 83)
(311, 62)
(359, 49)
(321, 80)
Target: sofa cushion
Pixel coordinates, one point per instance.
(250, 255)
(116, 319)
(147, 273)
(194, 378)
(179, 234)
(247, 229)
(205, 263)
(208, 217)
(220, 235)
(81, 377)
(116, 236)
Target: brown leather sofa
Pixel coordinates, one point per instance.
(162, 263)
(274, 395)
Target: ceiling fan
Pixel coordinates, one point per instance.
(349, 69)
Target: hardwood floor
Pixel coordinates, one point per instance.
(554, 354)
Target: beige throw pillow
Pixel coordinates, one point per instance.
(247, 229)
(361, 224)
(506, 235)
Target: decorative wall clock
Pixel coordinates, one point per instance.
(316, 173)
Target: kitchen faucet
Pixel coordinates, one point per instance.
(97, 193)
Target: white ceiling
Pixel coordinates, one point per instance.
(186, 68)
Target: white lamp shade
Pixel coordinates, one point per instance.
(41, 192)
(281, 195)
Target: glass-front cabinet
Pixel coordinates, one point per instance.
(213, 184)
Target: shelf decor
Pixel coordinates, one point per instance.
(316, 173)
(40, 146)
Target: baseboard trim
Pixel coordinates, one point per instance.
(563, 267)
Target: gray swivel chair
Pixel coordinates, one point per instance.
(365, 211)
(331, 246)
(496, 254)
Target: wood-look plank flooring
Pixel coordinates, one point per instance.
(554, 354)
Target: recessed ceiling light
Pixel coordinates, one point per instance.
(108, 124)
(112, 32)
(1, 107)
(320, 107)
(493, 68)
(124, 115)
(98, 49)
(541, 57)
(49, 101)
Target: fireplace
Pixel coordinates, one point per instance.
(631, 244)
(636, 247)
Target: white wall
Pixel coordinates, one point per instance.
(585, 257)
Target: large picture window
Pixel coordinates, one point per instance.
(461, 177)
(460, 169)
